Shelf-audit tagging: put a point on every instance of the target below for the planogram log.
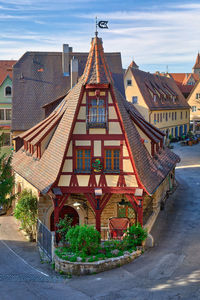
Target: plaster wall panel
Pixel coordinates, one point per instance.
(83, 143)
(97, 177)
(64, 180)
(110, 101)
(97, 131)
(80, 128)
(127, 165)
(83, 180)
(114, 128)
(112, 180)
(82, 113)
(125, 151)
(67, 165)
(112, 113)
(111, 143)
(84, 99)
(131, 180)
(97, 148)
(69, 151)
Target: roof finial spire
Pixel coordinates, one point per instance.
(96, 32)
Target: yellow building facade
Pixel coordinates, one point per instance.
(159, 101)
(194, 102)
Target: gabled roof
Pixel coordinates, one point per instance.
(6, 69)
(133, 65)
(43, 173)
(193, 90)
(38, 79)
(183, 78)
(197, 63)
(150, 84)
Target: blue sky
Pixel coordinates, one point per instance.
(155, 34)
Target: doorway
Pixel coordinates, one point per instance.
(66, 210)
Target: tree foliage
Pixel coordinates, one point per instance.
(6, 178)
(26, 211)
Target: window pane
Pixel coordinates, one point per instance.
(8, 114)
(1, 114)
(8, 91)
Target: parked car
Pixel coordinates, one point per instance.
(2, 211)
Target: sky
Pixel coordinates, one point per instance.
(158, 35)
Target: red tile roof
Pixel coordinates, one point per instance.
(150, 84)
(43, 173)
(96, 69)
(6, 69)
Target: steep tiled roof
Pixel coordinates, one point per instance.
(96, 69)
(151, 171)
(197, 63)
(38, 79)
(6, 69)
(150, 84)
(43, 173)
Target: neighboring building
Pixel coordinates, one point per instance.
(6, 98)
(196, 68)
(94, 157)
(194, 102)
(159, 100)
(40, 78)
(185, 81)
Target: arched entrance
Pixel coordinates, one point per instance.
(66, 210)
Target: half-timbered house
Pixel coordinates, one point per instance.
(94, 157)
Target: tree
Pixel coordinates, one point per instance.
(6, 178)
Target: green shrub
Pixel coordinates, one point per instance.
(73, 259)
(26, 212)
(135, 235)
(83, 239)
(63, 226)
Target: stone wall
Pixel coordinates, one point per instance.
(80, 268)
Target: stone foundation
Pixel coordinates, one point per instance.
(86, 268)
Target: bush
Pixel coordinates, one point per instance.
(135, 235)
(63, 226)
(26, 212)
(83, 239)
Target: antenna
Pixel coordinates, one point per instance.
(96, 32)
(167, 69)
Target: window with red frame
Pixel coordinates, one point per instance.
(83, 160)
(111, 160)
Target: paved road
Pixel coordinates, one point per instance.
(170, 270)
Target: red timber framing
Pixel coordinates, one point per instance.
(58, 202)
(98, 203)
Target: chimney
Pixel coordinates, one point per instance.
(65, 59)
(74, 71)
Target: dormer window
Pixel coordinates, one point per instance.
(97, 112)
(8, 91)
(154, 98)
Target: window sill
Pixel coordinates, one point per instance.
(82, 171)
(112, 171)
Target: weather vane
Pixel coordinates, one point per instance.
(101, 24)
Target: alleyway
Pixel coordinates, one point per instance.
(170, 270)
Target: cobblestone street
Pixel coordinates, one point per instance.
(170, 270)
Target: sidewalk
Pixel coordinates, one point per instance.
(11, 236)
